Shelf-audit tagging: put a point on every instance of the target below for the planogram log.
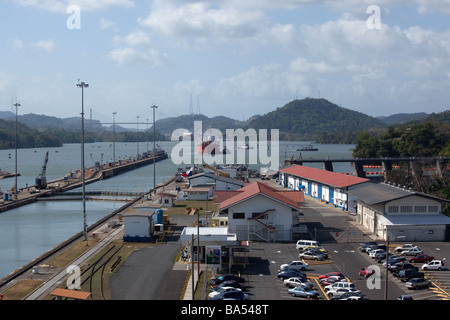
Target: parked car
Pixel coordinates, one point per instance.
(404, 247)
(416, 283)
(227, 283)
(421, 258)
(331, 280)
(406, 274)
(331, 274)
(341, 291)
(375, 252)
(301, 244)
(312, 255)
(296, 264)
(283, 275)
(297, 281)
(220, 290)
(403, 266)
(405, 297)
(349, 296)
(365, 245)
(412, 252)
(381, 256)
(225, 277)
(434, 265)
(314, 248)
(339, 285)
(303, 292)
(230, 295)
(375, 247)
(366, 272)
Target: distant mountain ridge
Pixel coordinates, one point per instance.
(307, 119)
(402, 118)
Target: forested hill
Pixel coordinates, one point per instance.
(316, 119)
(429, 137)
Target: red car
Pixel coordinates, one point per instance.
(365, 272)
(331, 274)
(420, 258)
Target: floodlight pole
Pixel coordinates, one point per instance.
(83, 85)
(15, 143)
(154, 147)
(114, 138)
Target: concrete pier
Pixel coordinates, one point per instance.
(59, 186)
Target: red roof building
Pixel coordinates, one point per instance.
(260, 212)
(327, 186)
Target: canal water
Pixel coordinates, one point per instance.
(31, 230)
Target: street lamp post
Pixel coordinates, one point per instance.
(137, 135)
(17, 104)
(83, 85)
(114, 138)
(154, 147)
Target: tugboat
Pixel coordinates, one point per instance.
(308, 147)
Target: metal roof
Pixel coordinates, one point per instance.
(375, 193)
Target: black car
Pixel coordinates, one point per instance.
(402, 266)
(226, 277)
(406, 274)
(290, 274)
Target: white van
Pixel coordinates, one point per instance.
(301, 244)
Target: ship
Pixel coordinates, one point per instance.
(202, 146)
(308, 147)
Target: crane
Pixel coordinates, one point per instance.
(41, 179)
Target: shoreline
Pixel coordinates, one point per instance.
(14, 277)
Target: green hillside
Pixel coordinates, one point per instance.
(316, 119)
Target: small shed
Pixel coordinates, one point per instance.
(61, 294)
(168, 199)
(138, 226)
(198, 193)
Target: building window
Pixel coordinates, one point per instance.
(259, 215)
(433, 209)
(406, 209)
(238, 215)
(393, 209)
(420, 208)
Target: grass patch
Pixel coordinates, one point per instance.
(21, 289)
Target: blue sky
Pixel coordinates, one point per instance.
(236, 58)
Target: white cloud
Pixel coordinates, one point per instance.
(201, 19)
(60, 6)
(136, 48)
(107, 24)
(46, 45)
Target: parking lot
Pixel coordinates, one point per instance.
(263, 260)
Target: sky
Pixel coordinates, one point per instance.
(230, 57)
